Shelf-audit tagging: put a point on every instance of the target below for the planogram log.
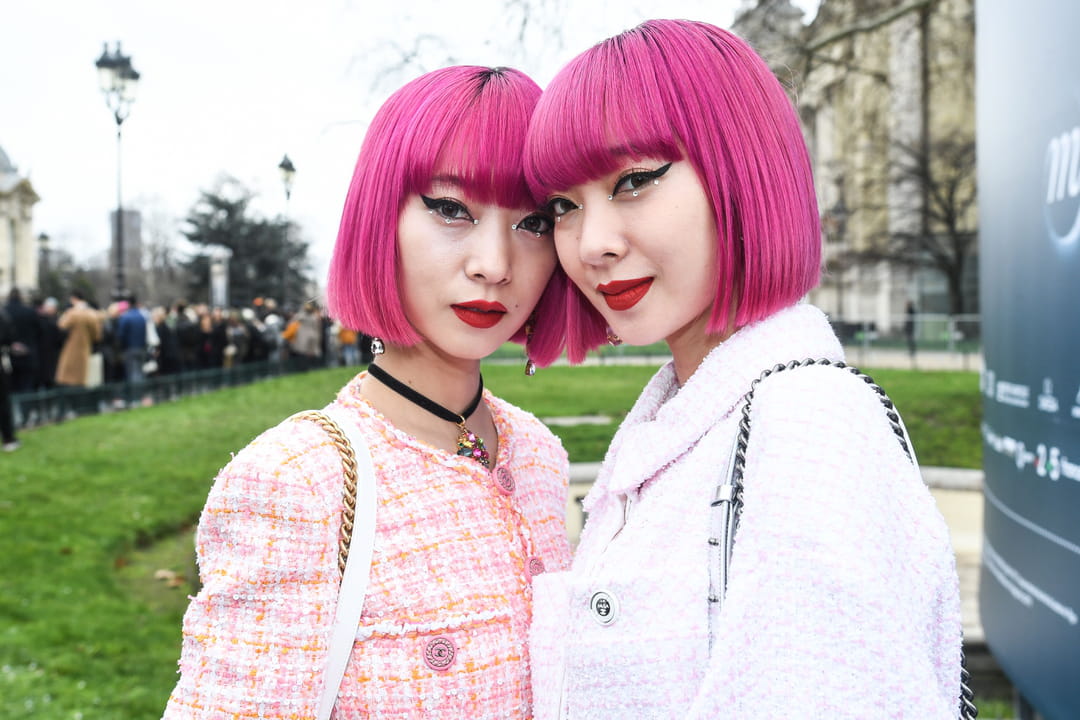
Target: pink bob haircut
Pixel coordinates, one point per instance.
(675, 89)
(466, 122)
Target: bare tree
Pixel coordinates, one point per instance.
(944, 176)
(163, 274)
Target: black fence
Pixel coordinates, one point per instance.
(49, 406)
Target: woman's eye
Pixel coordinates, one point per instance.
(559, 206)
(634, 180)
(537, 223)
(446, 209)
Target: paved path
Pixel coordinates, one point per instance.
(868, 357)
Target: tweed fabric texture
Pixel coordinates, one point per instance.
(843, 599)
(451, 563)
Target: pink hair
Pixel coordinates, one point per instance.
(673, 88)
(467, 122)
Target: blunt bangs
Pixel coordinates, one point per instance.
(464, 123)
(478, 141)
(598, 112)
(673, 89)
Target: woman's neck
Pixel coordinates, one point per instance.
(691, 344)
(449, 381)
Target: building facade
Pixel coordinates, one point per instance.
(885, 91)
(18, 247)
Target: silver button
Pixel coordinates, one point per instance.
(604, 607)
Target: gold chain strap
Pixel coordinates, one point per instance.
(348, 467)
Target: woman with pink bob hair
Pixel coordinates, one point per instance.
(442, 255)
(759, 542)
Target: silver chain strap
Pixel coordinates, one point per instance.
(729, 503)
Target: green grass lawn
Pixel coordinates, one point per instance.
(89, 509)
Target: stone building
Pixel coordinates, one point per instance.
(885, 90)
(18, 248)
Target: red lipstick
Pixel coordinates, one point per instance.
(624, 294)
(479, 313)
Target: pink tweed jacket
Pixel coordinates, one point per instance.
(843, 599)
(445, 621)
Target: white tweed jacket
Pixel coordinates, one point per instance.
(843, 599)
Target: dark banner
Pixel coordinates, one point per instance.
(1028, 131)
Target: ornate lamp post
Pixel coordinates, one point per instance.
(288, 172)
(118, 81)
(43, 261)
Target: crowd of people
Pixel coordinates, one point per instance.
(44, 346)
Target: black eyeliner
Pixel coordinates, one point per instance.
(648, 174)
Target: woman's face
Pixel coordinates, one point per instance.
(471, 272)
(640, 244)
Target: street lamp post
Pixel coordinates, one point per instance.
(288, 172)
(43, 261)
(118, 81)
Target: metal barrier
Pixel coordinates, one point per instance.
(49, 406)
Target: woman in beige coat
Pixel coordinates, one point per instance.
(83, 326)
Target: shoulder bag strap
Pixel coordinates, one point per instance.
(356, 542)
(727, 504)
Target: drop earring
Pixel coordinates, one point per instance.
(530, 366)
(612, 339)
(377, 347)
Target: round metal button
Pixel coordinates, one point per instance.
(439, 653)
(535, 565)
(604, 607)
(504, 481)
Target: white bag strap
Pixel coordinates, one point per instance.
(354, 580)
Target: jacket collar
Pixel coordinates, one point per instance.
(667, 421)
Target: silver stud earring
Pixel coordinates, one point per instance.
(377, 347)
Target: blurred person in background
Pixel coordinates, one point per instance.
(8, 441)
(24, 345)
(83, 326)
(50, 344)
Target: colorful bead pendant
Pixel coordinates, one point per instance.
(471, 445)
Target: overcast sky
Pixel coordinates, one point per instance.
(229, 86)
